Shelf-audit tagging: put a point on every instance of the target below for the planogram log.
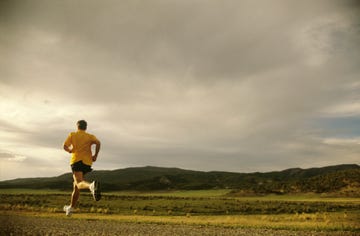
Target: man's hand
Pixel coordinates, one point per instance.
(97, 149)
(66, 148)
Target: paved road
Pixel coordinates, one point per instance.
(27, 225)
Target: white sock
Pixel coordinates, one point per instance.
(92, 186)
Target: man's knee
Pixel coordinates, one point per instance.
(75, 186)
(78, 178)
(76, 183)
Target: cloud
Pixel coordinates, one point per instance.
(347, 109)
(12, 157)
(339, 141)
(241, 86)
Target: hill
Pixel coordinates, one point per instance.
(339, 179)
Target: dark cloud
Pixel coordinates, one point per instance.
(10, 127)
(6, 155)
(178, 83)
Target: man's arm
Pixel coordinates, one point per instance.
(66, 148)
(68, 144)
(97, 149)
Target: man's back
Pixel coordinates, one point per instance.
(81, 142)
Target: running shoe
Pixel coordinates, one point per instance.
(95, 190)
(68, 210)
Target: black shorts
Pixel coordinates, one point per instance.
(80, 166)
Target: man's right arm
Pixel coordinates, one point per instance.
(97, 149)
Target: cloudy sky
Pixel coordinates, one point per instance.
(205, 85)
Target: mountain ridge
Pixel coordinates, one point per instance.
(329, 179)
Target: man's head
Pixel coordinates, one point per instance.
(81, 124)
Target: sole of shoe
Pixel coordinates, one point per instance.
(97, 191)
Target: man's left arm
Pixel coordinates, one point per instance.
(67, 144)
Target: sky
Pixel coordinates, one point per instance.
(239, 86)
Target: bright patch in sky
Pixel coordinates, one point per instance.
(206, 85)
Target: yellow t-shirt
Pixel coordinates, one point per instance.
(81, 146)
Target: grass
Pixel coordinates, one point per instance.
(16, 191)
(182, 193)
(312, 197)
(210, 207)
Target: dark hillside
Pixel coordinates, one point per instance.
(341, 178)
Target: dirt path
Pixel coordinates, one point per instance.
(28, 225)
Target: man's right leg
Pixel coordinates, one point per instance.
(80, 183)
(79, 180)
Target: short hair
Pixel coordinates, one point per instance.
(81, 124)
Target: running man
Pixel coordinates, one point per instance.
(79, 145)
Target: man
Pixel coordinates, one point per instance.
(79, 145)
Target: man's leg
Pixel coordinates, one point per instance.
(75, 194)
(79, 183)
(79, 180)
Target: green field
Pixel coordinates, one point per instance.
(208, 207)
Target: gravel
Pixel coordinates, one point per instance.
(30, 225)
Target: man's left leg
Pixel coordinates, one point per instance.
(75, 194)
